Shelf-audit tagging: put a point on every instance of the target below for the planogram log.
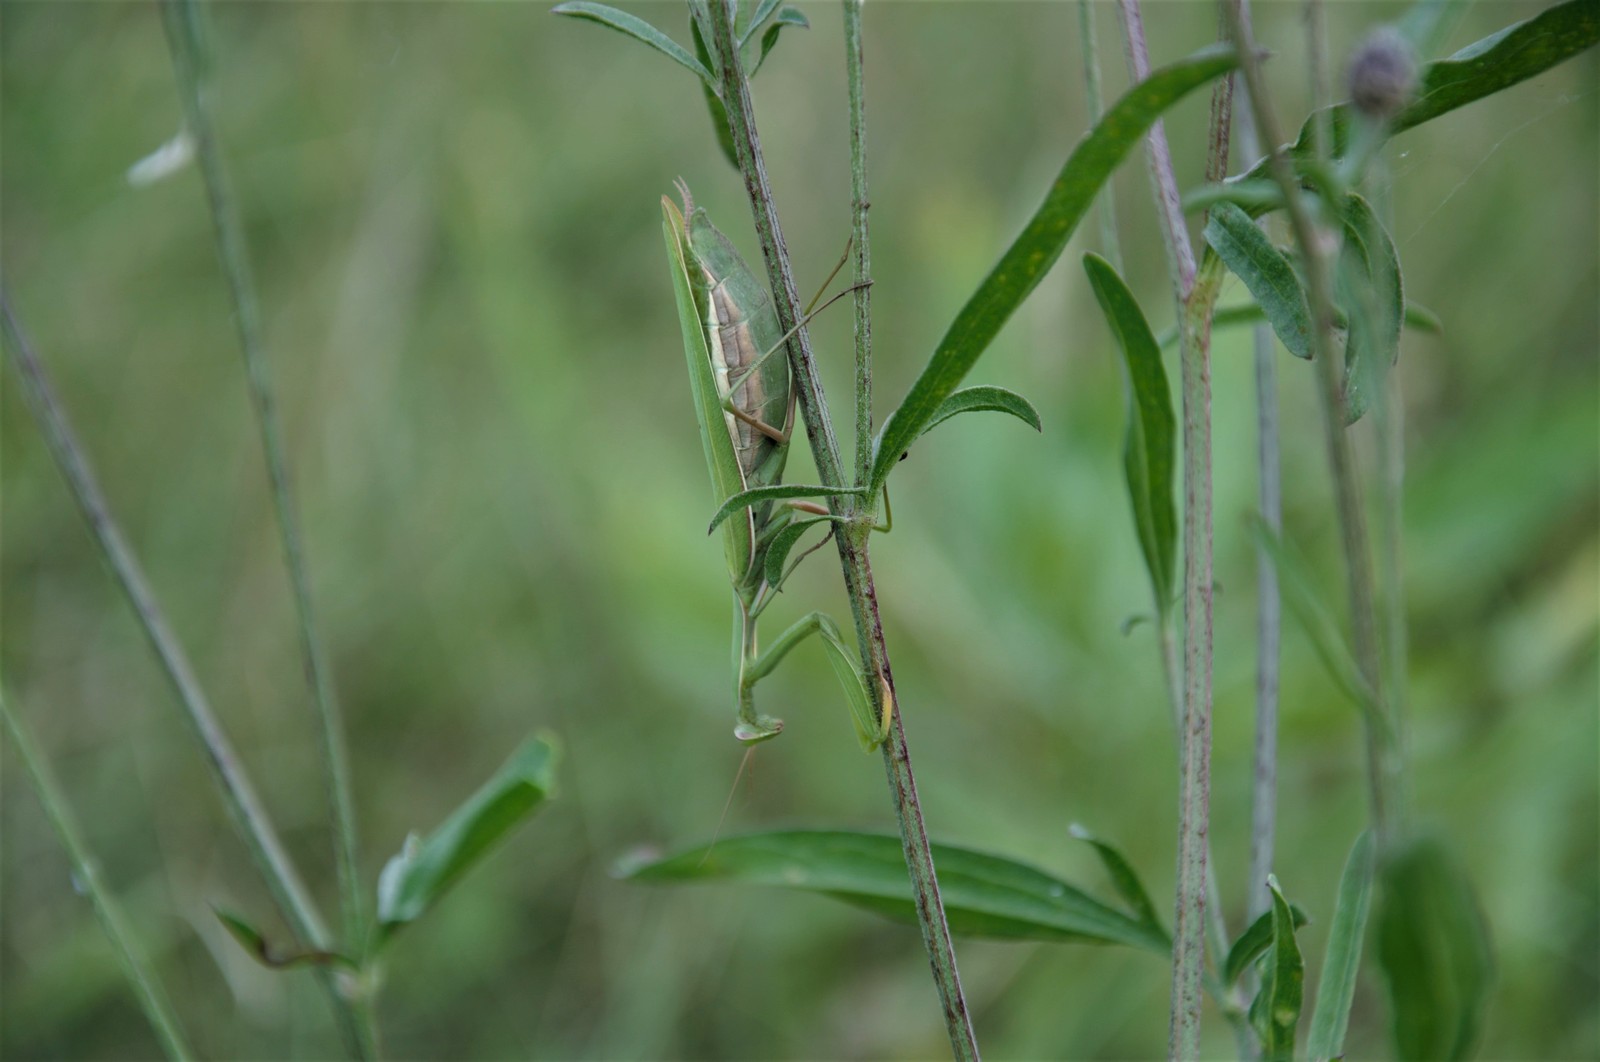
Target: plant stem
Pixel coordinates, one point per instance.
(1264, 795)
(1110, 245)
(852, 536)
(1195, 296)
(1382, 769)
(249, 816)
(859, 204)
(86, 872)
(184, 38)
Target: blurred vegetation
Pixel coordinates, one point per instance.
(453, 216)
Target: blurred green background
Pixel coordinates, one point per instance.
(453, 214)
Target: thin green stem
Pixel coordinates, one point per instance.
(1382, 766)
(1195, 294)
(249, 815)
(851, 537)
(1089, 44)
(859, 204)
(184, 38)
(86, 873)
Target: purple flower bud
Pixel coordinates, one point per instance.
(1382, 74)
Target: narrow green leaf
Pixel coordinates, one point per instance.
(1418, 318)
(1512, 55)
(985, 398)
(782, 544)
(984, 895)
(1266, 271)
(1276, 1009)
(1150, 439)
(762, 12)
(1258, 196)
(255, 942)
(774, 492)
(413, 880)
(769, 40)
(638, 29)
(1336, 989)
(719, 113)
(1036, 249)
(846, 663)
(1306, 603)
(1370, 284)
(1253, 943)
(1434, 948)
(1421, 319)
(1123, 878)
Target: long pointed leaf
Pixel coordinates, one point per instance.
(984, 895)
(1149, 442)
(638, 29)
(1123, 878)
(414, 880)
(1336, 989)
(1041, 242)
(1276, 1010)
(1266, 271)
(985, 398)
(1254, 942)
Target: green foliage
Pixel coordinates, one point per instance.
(1266, 271)
(1151, 435)
(1369, 281)
(1276, 1009)
(1434, 948)
(1254, 942)
(637, 28)
(984, 895)
(1036, 249)
(414, 880)
(985, 399)
(755, 496)
(1336, 989)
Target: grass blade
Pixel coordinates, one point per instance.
(413, 880)
(1041, 242)
(1336, 989)
(637, 28)
(984, 895)
(1149, 442)
(1266, 271)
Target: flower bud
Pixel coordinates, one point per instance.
(1382, 74)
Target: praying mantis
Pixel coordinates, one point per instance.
(745, 404)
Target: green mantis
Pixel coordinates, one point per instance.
(745, 406)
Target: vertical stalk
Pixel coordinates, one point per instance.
(859, 204)
(182, 21)
(1195, 294)
(1110, 245)
(1382, 766)
(86, 872)
(249, 815)
(851, 538)
(1264, 790)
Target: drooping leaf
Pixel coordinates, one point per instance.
(846, 664)
(1301, 595)
(1123, 878)
(1150, 439)
(1369, 283)
(774, 492)
(787, 17)
(986, 398)
(424, 870)
(762, 12)
(255, 942)
(1336, 989)
(638, 29)
(1253, 943)
(1276, 1010)
(984, 895)
(1036, 249)
(1266, 272)
(1502, 59)
(783, 543)
(1434, 947)
(719, 113)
